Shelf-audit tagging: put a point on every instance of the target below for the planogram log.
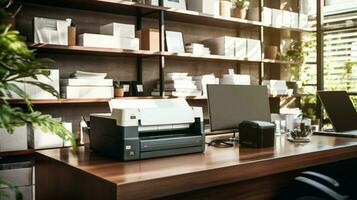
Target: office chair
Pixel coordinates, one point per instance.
(314, 186)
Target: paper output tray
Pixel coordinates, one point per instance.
(169, 143)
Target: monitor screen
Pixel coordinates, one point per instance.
(339, 109)
(229, 105)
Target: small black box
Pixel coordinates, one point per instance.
(258, 134)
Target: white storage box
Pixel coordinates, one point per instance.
(129, 43)
(266, 15)
(98, 40)
(254, 51)
(210, 7)
(78, 92)
(118, 29)
(26, 191)
(16, 141)
(303, 21)
(286, 19)
(14, 95)
(277, 18)
(39, 139)
(294, 20)
(221, 46)
(50, 31)
(240, 48)
(37, 93)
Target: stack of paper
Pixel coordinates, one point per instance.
(197, 49)
(204, 80)
(235, 79)
(277, 87)
(178, 84)
(87, 85)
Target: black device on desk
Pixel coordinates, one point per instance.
(341, 112)
(230, 105)
(258, 134)
(147, 128)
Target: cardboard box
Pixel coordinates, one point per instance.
(277, 18)
(240, 48)
(294, 20)
(82, 92)
(210, 7)
(286, 18)
(149, 39)
(129, 43)
(224, 46)
(266, 15)
(303, 21)
(37, 93)
(254, 51)
(98, 40)
(118, 29)
(16, 141)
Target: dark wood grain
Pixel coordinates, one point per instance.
(168, 176)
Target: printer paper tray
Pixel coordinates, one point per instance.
(169, 143)
(171, 152)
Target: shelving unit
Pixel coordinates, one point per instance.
(149, 66)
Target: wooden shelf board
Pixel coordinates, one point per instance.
(17, 153)
(140, 53)
(90, 50)
(58, 101)
(171, 14)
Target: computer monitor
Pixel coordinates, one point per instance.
(339, 109)
(229, 105)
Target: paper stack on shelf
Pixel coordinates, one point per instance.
(50, 31)
(198, 49)
(203, 81)
(235, 79)
(178, 84)
(87, 85)
(125, 34)
(277, 87)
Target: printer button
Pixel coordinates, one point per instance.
(131, 153)
(128, 147)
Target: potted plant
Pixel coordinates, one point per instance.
(118, 89)
(225, 8)
(240, 8)
(17, 62)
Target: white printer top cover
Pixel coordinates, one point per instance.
(157, 111)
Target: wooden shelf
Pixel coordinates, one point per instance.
(17, 153)
(58, 101)
(171, 14)
(291, 96)
(90, 50)
(140, 53)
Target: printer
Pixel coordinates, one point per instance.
(147, 128)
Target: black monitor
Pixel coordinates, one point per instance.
(339, 109)
(229, 105)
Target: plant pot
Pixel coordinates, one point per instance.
(118, 92)
(239, 13)
(271, 52)
(225, 8)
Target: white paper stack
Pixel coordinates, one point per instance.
(197, 49)
(224, 46)
(203, 81)
(125, 34)
(178, 84)
(87, 85)
(277, 18)
(235, 79)
(266, 15)
(277, 87)
(303, 21)
(50, 31)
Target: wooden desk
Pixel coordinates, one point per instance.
(62, 175)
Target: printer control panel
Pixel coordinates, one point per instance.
(131, 150)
